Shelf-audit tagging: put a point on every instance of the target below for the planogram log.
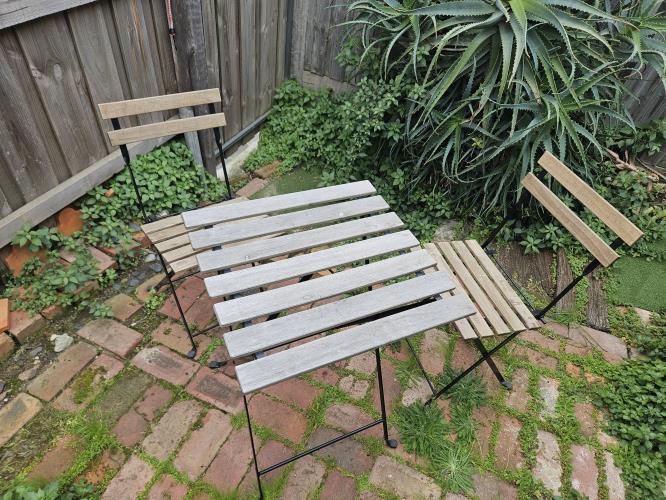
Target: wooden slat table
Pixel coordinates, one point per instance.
(337, 249)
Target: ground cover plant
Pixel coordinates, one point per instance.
(169, 181)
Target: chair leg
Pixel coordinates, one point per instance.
(391, 443)
(423, 370)
(254, 450)
(193, 351)
(488, 359)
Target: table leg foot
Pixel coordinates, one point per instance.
(213, 365)
(191, 353)
(392, 443)
(507, 385)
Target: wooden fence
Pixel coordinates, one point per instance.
(60, 58)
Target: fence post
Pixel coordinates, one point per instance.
(296, 42)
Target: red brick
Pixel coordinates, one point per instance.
(348, 453)
(586, 416)
(130, 428)
(104, 466)
(23, 324)
(199, 450)
(294, 391)
(346, 417)
(268, 170)
(56, 461)
(112, 336)
(104, 367)
(216, 388)
(153, 400)
(355, 388)
(104, 262)
(53, 312)
(173, 335)
(507, 452)
(191, 289)
(484, 417)
(123, 306)
(251, 188)
(536, 358)
(15, 414)
(392, 387)
(162, 363)
(171, 429)
(305, 478)
(130, 481)
(584, 471)
(19, 256)
(167, 488)
(4, 315)
(464, 355)
(271, 453)
(338, 486)
(326, 375)
(6, 345)
(69, 221)
(231, 463)
(572, 369)
(286, 422)
(488, 487)
(541, 340)
(201, 314)
(142, 292)
(142, 239)
(402, 481)
(577, 349)
(70, 362)
(518, 397)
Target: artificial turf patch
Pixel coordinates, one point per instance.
(641, 283)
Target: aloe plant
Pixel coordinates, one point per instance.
(489, 85)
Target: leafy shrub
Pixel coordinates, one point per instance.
(51, 491)
(487, 86)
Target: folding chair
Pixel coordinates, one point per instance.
(500, 311)
(167, 234)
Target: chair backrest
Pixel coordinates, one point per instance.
(595, 203)
(118, 109)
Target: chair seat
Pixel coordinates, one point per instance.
(499, 309)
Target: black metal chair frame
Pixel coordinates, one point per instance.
(169, 274)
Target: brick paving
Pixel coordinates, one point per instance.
(164, 408)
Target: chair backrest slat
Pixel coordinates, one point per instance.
(588, 238)
(595, 203)
(161, 129)
(158, 103)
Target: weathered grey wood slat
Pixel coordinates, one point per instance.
(206, 238)
(268, 334)
(13, 12)
(306, 292)
(296, 242)
(158, 103)
(279, 203)
(286, 364)
(300, 265)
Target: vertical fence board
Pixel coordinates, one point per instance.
(88, 26)
(267, 56)
(12, 198)
(281, 45)
(248, 60)
(228, 39)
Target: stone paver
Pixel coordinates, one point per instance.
(23, 324)
(540, 340)
(165, 364)
(218, 389)
(171, 429)
(392, 387)
(112, 336)
(518, 397)
(153, 400)
(549, 390)
(348, 453)
(202, 312)
(252, 187)
(56, 461)
(167, 488)
(306, 477)
(105, 465)
(403, 481)
(464, 355)
(285, 421)
(326, 376)
(203, 444)
(431, 354)
(173, 335)
(613, 480)
(507, 452)
(130, 428)
(418, 392)
(607, 343)
(231, 462)
(295, 391)
(355, 388)
(484, 417)
(271, 453)
(130, 481)
(122, 306)
(142, 292)
(70, 362)
(346, 417)
(584, 471)
(548, 468)
(488, 487)
(338, 487)
(536, 357)
(191, 289)
(363, 363)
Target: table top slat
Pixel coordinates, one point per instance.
(279, 203)
(268, 334)
(296, 242)
(206, 238)
(300, 265)
(280, 299)
(287, 364)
